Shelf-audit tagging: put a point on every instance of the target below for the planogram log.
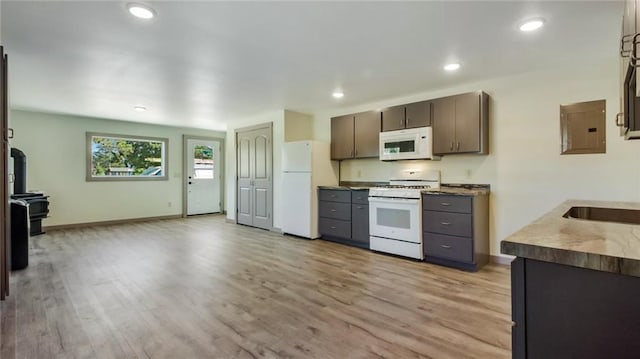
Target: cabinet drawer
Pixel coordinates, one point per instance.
(455, 224)
(448, 247)
(459, 204)
(334, 228)
(335, 210)
(335, 195)
(360, 196)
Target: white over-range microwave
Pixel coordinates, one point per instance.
(409, 144)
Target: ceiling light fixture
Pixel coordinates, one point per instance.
(338, 94)
(139, 108)
(141, 11)
(531, 24)
(451, 67)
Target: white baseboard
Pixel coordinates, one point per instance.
(502, 259)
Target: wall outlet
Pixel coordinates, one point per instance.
(467, 173)
(359, 174)
(169, 204)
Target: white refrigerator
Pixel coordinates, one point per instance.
(305, 166)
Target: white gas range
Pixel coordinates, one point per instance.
(395, 212)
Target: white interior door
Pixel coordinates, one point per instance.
(254, 184)
(203, 176)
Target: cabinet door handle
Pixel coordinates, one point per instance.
(451, 146)
(445, 204)
(445, 223)
(359, 207)
(333, 210)
(445, 246)
(406, 122)
(620, 119)
(458, 146)
(10, 133)
(333, 227)
(333, 196)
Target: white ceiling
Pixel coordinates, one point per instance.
(203, 64)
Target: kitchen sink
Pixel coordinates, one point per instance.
(618, 215)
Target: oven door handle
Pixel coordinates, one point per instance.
(393, 200)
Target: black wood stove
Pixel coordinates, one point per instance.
(38, 202)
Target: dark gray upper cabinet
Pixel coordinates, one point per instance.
(393, 118)
(355, 136)
(367, 134)
(412, 115)
(460, 124)
(342, 137)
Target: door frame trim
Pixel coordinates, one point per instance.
(185, 139)
(267, 125)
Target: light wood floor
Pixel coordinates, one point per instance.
(203, 288)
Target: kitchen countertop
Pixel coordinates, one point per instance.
(603, 246)
(461, 189)
(347, 186)
(339, 188)
(445, 188)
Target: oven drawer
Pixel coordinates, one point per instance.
(334, 228)
(459, 204)
(335, 210)
(360, 196)
(449, 247)
(335, 195)
(454, 224)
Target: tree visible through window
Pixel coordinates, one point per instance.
(203, 162)
(123, 157)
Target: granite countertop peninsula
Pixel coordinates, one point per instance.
(603, 246)
(461, 189)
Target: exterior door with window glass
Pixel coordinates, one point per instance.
(203, 176)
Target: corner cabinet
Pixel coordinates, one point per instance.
(417, 114)
(456, 230)
(344, 216)
(461, 124)
(355, 135)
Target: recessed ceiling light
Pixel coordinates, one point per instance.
(338, 94)
(531, 24)
(141, 11)
(451, 67)
(139, 108)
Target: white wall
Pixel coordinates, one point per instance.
(297, 126)
(527, 174)
(55, 146)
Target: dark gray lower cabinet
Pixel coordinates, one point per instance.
(344, 216)
(456, 230)
(360, 223)
(559, 311)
